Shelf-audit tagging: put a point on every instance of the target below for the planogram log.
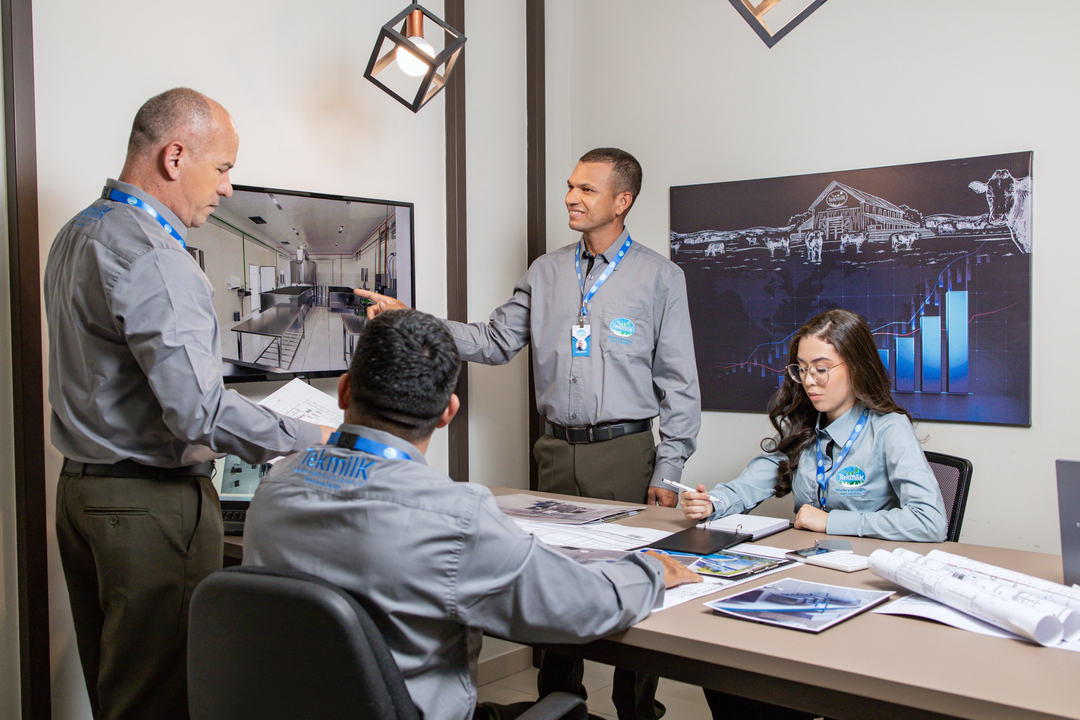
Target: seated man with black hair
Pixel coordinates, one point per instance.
(439, 558)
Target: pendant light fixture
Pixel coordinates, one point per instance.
(404, 62)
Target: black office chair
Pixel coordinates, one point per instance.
(953, 475)
(265, 643)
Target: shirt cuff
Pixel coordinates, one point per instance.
(665, 471)
(843, 522)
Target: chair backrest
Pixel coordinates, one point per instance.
(266, 643)
(953, 475)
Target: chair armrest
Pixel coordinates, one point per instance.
(557, 706)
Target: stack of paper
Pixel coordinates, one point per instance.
(533, 507)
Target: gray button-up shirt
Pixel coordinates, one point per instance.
(885, 488)
(641, 362)
(439, 559)
(135, 350)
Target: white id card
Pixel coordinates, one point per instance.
(580, 339)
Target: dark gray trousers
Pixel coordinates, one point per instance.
(618, 469)
(133, 550)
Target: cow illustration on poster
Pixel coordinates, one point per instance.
(936, 256)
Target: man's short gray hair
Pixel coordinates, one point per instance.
(176, 112)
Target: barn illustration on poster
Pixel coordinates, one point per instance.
(936, 256)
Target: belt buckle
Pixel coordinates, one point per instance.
(578, 435)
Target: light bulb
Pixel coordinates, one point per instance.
(409, 63)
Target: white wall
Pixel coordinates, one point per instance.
(697, 97)
(292, 76)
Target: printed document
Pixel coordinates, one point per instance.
(594, 536)
(299, 400)
(533, 507)
(923, 607)
(1004, 604)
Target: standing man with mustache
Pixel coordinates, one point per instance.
(139, 410)
(609, 328)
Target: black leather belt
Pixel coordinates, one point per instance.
(132, 469)
(595, 433)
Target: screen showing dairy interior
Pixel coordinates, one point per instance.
(283, 265)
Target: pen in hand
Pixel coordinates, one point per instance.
(687, 488)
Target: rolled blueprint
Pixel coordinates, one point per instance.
(1061, 594)
(1070, 619)
(1019, 618)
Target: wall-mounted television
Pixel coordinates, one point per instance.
(283, 265)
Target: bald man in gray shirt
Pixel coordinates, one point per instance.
(139, 410)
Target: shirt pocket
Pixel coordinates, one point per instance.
(625, 336)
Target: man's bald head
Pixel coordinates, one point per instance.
(180, 113)
(181, 149)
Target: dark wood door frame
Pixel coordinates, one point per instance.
(536, 166)
(457, 268)
(26, 358)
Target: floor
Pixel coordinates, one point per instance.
(684, 702)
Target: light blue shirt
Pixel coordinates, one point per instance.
(885, 488)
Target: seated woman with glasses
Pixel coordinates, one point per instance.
(845, 450)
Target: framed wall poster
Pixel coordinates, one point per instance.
(936, 256)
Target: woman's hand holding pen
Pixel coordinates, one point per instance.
(696, 505)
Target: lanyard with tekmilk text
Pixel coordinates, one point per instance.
(371, 447)
(822, 481)
(123, 197)
(580, 333)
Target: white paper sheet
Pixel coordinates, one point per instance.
(924, 607)
(594, 536)
(299, 400)
(1005, 607)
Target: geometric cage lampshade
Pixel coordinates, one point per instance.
(419, 73)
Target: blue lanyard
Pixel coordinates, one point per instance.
(822, 481)
(612, 266)
(371, 447)
(132, 200)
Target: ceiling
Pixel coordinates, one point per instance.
(321, 225)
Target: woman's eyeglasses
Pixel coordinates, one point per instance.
(818, 373)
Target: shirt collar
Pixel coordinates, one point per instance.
(614, 247)
(840, 430)
(166, 213)
(386, 439)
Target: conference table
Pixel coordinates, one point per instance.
(872, 666)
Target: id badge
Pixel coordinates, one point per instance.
(580, 340)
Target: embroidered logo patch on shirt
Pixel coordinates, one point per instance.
(623, 327)
(850, 480)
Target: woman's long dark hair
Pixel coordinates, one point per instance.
(790, 410)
